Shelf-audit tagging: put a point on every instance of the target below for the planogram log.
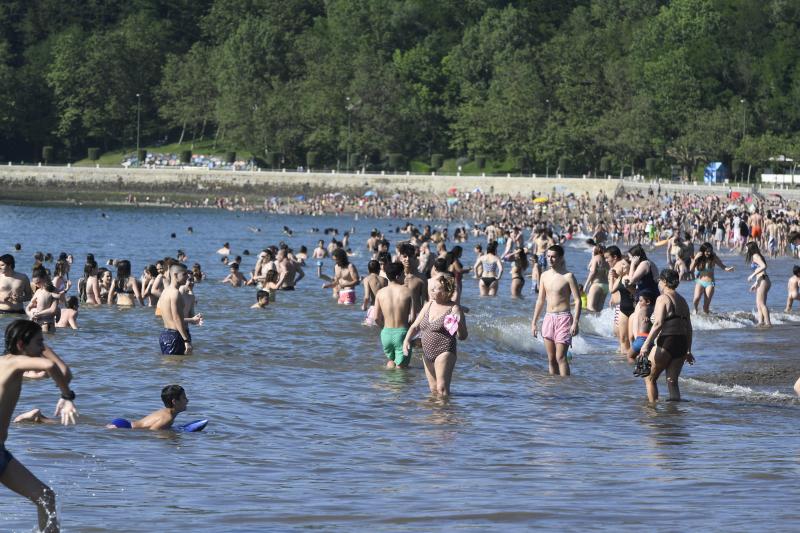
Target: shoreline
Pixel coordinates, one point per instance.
(111, 186)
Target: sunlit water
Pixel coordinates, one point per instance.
(308, 430)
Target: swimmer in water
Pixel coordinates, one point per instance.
(235, 278)
(175, 402)
(262, 300)
(345, 278)
(69, 314)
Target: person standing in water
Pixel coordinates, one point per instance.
(24, 346)
(393, 312)
(175, 339)
(559, 325)
(761, 283)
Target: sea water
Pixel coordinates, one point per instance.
(309, 431)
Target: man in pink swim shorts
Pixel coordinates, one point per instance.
(556, 286)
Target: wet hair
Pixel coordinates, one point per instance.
(171, 393)
(796, 270)
(303, 250)
(88, 267)
(373, 267)
(393, 270)
(262, 294)
(271, 276)
(491, 248)
(123, 273)
(18, 247)
(62, 256)
(752, 250)
(457, 251)
(177, 266)
(152, 270)
(448, 283)
(234, 266)
(8, 259)
(521, 260)
(614, 252)
(557, 249)
(72, 303)
(598, 249)
(670, 278)
(38, 256)
(39, 272)
(706, 261)
(20, 330)
(637, 251)
(340, 256)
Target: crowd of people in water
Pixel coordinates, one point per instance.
(411, 288)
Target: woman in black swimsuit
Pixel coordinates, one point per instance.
(518, 272)
(438, 344)
(672, 335)
(125, 287)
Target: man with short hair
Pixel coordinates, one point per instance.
(556, 285)
(372, 283)
(289, 271)
(407, 255)
(175, 339)
(394, 312)
(15, 287)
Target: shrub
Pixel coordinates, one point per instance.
(230, 157)
(93, 154)
(186, 157)
(437, 160)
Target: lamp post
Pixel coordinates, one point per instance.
(547, 163)
(349, 108)
(744, 117)
(138, 114)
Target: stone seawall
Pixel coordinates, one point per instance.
(33, 183)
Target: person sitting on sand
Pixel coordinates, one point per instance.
(175, 402)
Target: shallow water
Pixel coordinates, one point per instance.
(309, 431)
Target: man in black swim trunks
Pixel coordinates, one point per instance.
(15, 287)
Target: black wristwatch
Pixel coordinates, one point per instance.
(70, 396)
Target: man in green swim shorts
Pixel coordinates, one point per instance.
(394, 313)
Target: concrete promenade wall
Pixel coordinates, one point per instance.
(48, 181)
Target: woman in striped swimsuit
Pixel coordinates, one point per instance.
(438, 343)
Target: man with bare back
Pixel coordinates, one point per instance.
(393, 311)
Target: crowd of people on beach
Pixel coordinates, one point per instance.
(412, 289)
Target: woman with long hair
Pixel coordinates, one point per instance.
(518, 272)
(596, 285)
(125, 286)
(761, 283)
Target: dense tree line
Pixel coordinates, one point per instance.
(587, 85)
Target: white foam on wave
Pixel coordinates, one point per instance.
(736, 391)
(515, 332)
(784, 318)
(601, 324)
(732, 320)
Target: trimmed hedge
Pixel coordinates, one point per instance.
(93, 154)
(437, 160)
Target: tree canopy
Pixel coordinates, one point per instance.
(680, 81)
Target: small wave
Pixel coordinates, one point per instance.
(738, 391)
(515, 332)
(784, 318)
(731, 320)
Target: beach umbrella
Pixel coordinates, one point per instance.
(452, 190)
(370, 193)
(300, 198)
(540, 200)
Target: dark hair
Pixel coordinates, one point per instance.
(637, 251)
(171, 393)
(440, 265)
(72, 303)
(271, 276)
(123, 273)
(262, 294)
(88, 267)
(20, 330)
(704, 262)
(491, 248)
(752, 250)
(340, 256)
(393, 270)
(796, 270)
(8, 259)
(614, 252)
(457, 251)
(557, 249)
(152, 270)
(234, 266)
(670, 278)
(521, 260)
(61, 267)
(384, 258)
(407, 249)
(373, 267)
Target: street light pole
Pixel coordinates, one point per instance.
(547, 163)
(744, 117)
(349, 108)
(138, 106)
